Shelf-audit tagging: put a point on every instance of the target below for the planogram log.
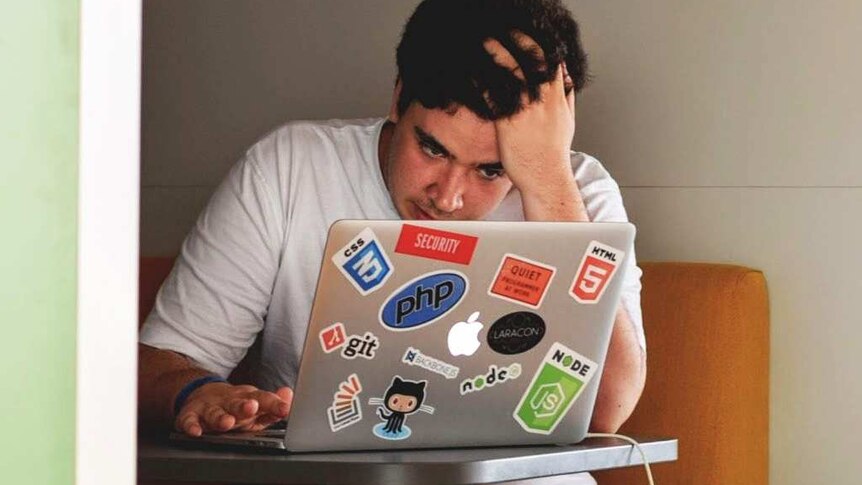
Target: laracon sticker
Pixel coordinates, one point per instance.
(463, 338)
(360, 346)
(401, 399)
(597, 267)
(423, 300)
(559, 380)
(416, 357)
(364, 263)
(522, 281)
(436, 244)
(516, 333)
(332, 337)
(495, 375)
(345, 409)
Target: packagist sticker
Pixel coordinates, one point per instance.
(522, 281)
(345, 409)
(436, 244)
(559, 380)
(598, 266)
(364, 262)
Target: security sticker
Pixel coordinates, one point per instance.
(346, 408)
(332, 337)
(559, 380)
(415, 357)
(521, 280)
(516, 333)
(598, 266)
(401, 399)
(436, 244)
(360, 346)
(364, 262)
(495, 375)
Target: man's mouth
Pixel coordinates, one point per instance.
(420, 214)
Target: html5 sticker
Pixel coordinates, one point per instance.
(521, 280)
(598, 266)
(436, 244)
(364, 262)
(332, 337)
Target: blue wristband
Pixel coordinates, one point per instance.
(190, 388)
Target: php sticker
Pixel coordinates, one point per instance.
(401, 399)
(516, 333)
(522, 281)
(597, 267)
(495, 375)
(332, 337)
(559, 380)
(364, 263)
(436, 244)
(416, 357)
(345, 409)
(423, 300)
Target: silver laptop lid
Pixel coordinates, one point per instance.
(438, 334)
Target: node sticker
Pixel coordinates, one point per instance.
(332, 337)
(345, 409)
(436, 244)
(522, 281)
(364, 263)
(495, 375)
(516, 333)
(416, 357)
(559, 380)
(598, 266)
(402, 399)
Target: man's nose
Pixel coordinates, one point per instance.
(447, 192)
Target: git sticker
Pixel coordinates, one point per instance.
(332, 337)
(346, 408)
(598, 266)
(522, 281)
(436, 244)
(364, 263)
(559, 380)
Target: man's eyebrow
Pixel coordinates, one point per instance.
(429, 140)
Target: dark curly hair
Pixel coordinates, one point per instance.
(442, 62)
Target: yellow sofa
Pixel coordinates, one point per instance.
(708, 370)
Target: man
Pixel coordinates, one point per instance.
(480, 127)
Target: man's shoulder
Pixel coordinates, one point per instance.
(318, 131)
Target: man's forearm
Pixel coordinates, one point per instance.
(623, 377)
(161, 376)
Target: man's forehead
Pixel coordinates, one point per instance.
(470, 138)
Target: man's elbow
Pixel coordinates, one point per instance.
(618, 396)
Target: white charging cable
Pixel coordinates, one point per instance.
(634, 443)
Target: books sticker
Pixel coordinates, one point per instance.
(436, 244)
(522, 281)
(346, 408)
(597, 267)
(364, 263)
(559, 380)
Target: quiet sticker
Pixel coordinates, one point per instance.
(345, 409)
(522, 281)
(559, 380)
(364, 263)
(436, 244)
(598, 266)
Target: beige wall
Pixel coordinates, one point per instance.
(734, 128)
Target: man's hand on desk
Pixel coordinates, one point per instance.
(219, 407)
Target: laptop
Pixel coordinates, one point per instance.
(429, 334)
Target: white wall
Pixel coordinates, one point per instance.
(733, 127)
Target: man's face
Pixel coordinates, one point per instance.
(442, 166)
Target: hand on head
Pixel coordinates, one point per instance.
(220, 407)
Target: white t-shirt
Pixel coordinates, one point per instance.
(250, 264)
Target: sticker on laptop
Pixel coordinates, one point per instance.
(346, 408)
(463, 337)
(332, 337)
(364, 262)
(401, 399)
(415, 357)
(496, 375)
(423, 300)
(516, 333)
(436, 244)
(560, 379)
(521, 280)
(598, 266)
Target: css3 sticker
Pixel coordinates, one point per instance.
(401, 399)
(363, 262)
(423, 300)
(598, 266)
(559, 380)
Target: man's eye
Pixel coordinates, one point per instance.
(490, 173)
(431, 151)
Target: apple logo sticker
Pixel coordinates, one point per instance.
(464, 336)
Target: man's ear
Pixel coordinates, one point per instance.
(393, 108)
